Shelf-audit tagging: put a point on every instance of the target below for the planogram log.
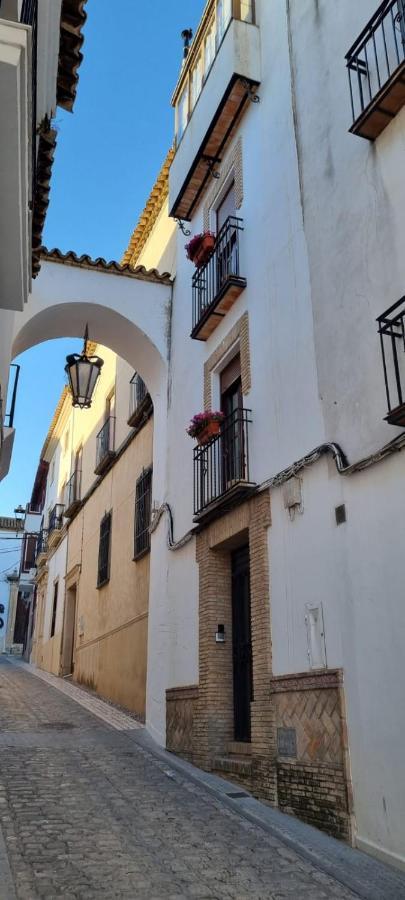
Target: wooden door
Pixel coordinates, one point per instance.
(241, 644)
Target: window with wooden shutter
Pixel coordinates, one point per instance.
(143, 506)
(104, 550)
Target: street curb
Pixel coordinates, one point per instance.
(365, 876)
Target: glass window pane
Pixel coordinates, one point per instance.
(224, 14)
(209, 49)
(196, 82)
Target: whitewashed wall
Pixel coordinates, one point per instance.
(321, 250)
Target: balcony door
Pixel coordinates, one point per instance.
(232, 431)
(226, 237)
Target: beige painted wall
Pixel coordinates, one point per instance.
(111, 622)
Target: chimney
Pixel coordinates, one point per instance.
(186, 35)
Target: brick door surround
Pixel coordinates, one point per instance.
(213, 722)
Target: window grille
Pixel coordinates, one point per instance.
(104, 550)
(143, 506)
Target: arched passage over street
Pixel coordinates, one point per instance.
(126, 309)
(129, 311)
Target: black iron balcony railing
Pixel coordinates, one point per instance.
(42, 543)
(29, 16)
(375, 65)
(12, 392)
(140, 401)
(391, 327)
(222, 464)
(217, 284)
(56, 517)
(105, 442)
(73, 491)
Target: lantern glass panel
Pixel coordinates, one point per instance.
(83, 374)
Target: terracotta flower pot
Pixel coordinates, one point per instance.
(204, 250)
(211, 430)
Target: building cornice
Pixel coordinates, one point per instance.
(55, 419)
(150, 213)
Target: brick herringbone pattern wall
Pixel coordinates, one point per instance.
(180, 712)
(315, 715)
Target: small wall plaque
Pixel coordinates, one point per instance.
(287, 742)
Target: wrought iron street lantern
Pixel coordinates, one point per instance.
(83, 371)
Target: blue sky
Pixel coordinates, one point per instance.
(108, 155)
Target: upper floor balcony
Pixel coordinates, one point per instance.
(219, 76)
(73, 493)
(7, 430)
(218, 284)
(105, 445)
(140, 401)
(376, 68)
(42, 547)
(391, 327)
(221, 466)
(55, 524)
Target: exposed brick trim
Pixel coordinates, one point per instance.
(239, 332)
(190, 692)
(213, 721)
(307, 681)
(233, 160)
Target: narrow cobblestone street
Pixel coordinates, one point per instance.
(85, 813)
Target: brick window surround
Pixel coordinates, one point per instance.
(233, 162)
(238, 334)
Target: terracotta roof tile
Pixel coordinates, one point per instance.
(46, 151)
(72, 20)
(150, 213)
(86, 262)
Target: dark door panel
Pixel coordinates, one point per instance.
(242, 644)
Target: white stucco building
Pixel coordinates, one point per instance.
(276, 622)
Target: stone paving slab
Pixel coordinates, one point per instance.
(89, 808)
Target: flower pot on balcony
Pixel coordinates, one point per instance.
(200, 248)
(211, 430)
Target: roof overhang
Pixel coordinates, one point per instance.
(72, 20)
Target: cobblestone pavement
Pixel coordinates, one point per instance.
(86, 813)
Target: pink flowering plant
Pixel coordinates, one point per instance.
(194, 245)
(202, 419)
